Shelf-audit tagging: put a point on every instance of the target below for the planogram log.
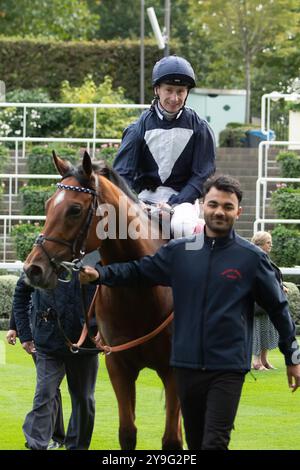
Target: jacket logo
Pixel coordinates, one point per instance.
(232, 274)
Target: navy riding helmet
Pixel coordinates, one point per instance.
(173, 70)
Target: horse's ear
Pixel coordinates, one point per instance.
(87, 164)
(61, 165)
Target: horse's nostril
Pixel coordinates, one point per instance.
(33, 272)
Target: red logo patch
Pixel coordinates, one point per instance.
(232, 274)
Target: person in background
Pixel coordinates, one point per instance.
(216, 276)
(265, 335)
(58, 436)
(169, 152)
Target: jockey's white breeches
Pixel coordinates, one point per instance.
(186, 216)
(185, 219)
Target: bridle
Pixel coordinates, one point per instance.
(77, 246)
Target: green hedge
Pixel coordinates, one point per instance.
(286, 201)
(24, 236)
(40, 160)
(4, 157)
(235, 135)
(289, 164)
(286, 246)
(31, 63)
(34, 197)
(7, 288)
(107, 152)
(293, 296)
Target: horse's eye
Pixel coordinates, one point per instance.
(74, 211)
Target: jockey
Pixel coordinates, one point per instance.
(169, 152)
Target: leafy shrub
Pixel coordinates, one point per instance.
(286, 201)
(110, 122)
(108, 152)
(286, 246)
(7, 288)
(24, 236)
(235, 135)
(4, 156)
(40, 160)
(289, 164)
(234, 125)
(34, 198)
(56, 61)
(39, 121)
(293, 106)
(293, 296)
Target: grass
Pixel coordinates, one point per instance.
(268, 416)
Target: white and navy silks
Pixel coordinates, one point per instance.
(168, 161)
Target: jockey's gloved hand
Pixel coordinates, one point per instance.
(165, 207)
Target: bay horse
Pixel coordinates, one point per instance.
(123, 314)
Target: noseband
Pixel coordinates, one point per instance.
(78, 244)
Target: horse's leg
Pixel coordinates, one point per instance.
(172, 438)
(123, 382)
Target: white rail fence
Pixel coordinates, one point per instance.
(264, 180)
(90, 143)
(20, 149)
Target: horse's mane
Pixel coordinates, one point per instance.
(102, 168)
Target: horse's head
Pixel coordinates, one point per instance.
(69, 215)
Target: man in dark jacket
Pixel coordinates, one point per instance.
(58, 436)
(36, 314)
(216, 277)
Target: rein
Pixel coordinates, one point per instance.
(76, 265)
(100, 347)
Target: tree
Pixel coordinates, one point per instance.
(59, 19)
(239, 30)
(110, 122)
(122, 19)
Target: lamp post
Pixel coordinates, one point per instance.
(142, 54)
(167, 27)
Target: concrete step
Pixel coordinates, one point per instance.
(245, 170)
(9, 256)
(239, 163)
(22, 168)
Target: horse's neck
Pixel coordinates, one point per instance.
(127, 248)
(124, 250)
(135, 235)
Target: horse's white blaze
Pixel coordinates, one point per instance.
(59, 198)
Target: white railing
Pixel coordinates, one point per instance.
(23, 139)
(264, 179)
(18, 266)
(266, 100)
(93, 106)
(13, 266)
(90, 143)
(86, 142)
(9, 218)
